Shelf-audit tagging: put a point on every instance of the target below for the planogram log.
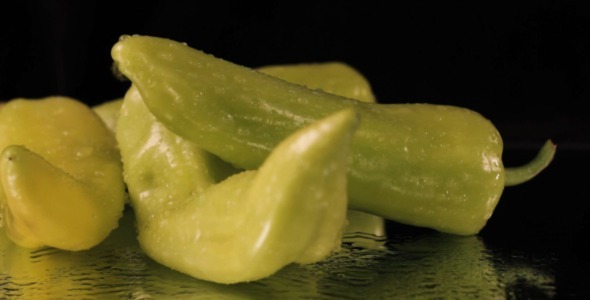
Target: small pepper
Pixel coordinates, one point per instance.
(60, 173)
(427, 165)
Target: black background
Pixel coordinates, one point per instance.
(525, 66)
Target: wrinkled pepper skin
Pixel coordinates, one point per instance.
(61, 174)
(426, 165)
(252, 223)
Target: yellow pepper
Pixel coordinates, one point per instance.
(60, 173)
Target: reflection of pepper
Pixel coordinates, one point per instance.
(430, 266)
(426, 165)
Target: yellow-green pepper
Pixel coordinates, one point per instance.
(343, 80)
(427, 165)
(204, 169)
(332, 77)
(165, 173)
(109, 112)
(246, 223)
(60, 173)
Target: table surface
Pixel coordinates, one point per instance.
(534, 246)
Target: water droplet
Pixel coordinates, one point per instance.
(84, 152)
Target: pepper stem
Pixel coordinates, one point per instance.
(518, 175)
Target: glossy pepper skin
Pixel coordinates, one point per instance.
(60, 172)
(426, 165)
(341, 79)
(249, 225)
(205, 169)
(332, 77)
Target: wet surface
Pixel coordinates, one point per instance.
(429, 265)
(529, 250)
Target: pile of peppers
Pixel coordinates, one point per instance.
(234, 173)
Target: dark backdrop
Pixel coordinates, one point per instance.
(524, 66)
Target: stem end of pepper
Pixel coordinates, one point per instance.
(522, 174)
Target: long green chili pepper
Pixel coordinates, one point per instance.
(427, 165)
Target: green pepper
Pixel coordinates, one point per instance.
(333, 77)
(60, 173)
(161, 168)
(427, 165)
(343, 80)
(252, 223)
(153, 155)
(109, 112)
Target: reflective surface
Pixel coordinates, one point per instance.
(535, 246)
(420, 264)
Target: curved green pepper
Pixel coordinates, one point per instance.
(60, 172)
(153, 155)
(161, 168)
(426, 165)
(246, 223)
